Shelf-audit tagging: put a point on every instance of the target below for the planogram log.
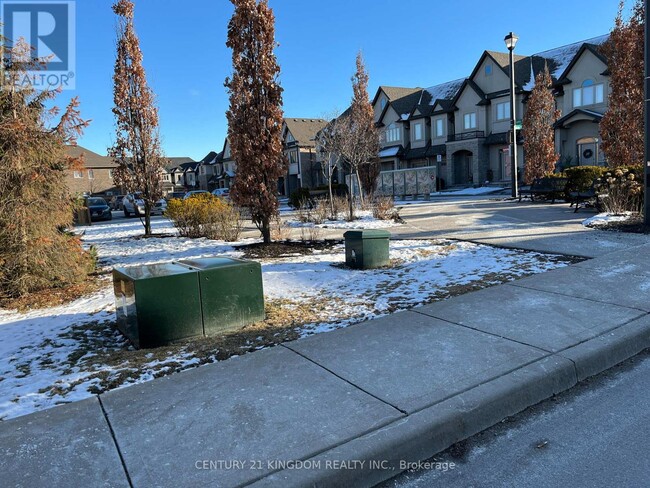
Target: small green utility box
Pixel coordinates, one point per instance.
(157, 304)
(231, 290)
(366, 249)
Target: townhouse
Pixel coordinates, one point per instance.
(461, 127)
(299, 147)
(94, 177)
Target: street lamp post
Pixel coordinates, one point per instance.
(511, 41)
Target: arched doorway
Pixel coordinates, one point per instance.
(462, 167)
(588, 151)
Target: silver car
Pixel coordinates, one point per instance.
(134, 205)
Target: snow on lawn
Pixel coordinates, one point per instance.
(482, 190)
(67, 353)
(364, 220)
(605, 218)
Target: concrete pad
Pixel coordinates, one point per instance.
(546, 320)
(605, 351)
(429, 431)
(607, 286)
(66, 446)
(230, 423)
(634, 260)
(413, 361)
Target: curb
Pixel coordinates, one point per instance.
(382, 454)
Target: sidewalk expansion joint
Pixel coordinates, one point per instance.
(117, 445)
(593, 300)
(546, 351)
(403, 412)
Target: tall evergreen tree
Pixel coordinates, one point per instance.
(35, 205)
(255, 112)
(360, 138)
(137, 148)
(539, 140)
(622, 128)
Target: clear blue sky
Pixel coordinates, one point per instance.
(405, 43)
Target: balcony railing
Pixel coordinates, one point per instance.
(463, 136)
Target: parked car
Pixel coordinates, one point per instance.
(222, 193)
(116, 202)
(193, 193)
(134, 205)
(99, 209)
(176, 194)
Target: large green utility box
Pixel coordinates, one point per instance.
(157, 304)
(366, 249)
(231, 290)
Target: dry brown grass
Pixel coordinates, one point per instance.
(54, 296)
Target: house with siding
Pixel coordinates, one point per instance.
(94, 176)
(299, 147)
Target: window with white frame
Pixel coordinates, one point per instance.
(589, 93)
(503, 111)
(440, 127)
(110, 173)
(418, 133)
(91, 174)
(488, 69)
(392, 133)
(382, 103)
(78, 174)
(469, 121)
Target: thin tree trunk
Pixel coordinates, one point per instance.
(266, 230)
(360, 189)
(332, 216)
(147, 219)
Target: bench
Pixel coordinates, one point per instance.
(578, 197)
(546, 187)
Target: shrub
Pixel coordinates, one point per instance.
(622, 189)
(300, 198)
(383, 208)
(205, 215)
(580, 178)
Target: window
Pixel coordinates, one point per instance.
(488, 69)
(91, 174)
(110, 173)
(417, 131)
(382, 103)
(503, 111)
(78, 174)
(392, 133)
(470, 120)
(440, 128)
(588, 94)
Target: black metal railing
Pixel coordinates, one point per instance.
(463, 136)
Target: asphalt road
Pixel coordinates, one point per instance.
(595, 435)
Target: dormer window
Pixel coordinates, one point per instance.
(589, 93)
(418, 133)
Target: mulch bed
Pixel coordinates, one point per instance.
(283, 249)
(55, 296)
(633, 225)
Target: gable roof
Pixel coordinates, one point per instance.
(90, 159)
(304, 130)
(559, 60)
(393, 92)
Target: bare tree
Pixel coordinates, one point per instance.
(328, 145)
(255, 113)
(137, 148)
(359, 138)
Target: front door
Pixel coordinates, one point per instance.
(462, 168)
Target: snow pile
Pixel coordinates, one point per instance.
(364, 220)
(605, 218)
(483, 190)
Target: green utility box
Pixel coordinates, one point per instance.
(366, 249)
(157, 304)
(231, 290)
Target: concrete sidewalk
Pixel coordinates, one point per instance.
(347, 408)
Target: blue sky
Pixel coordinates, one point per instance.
(405, 43)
